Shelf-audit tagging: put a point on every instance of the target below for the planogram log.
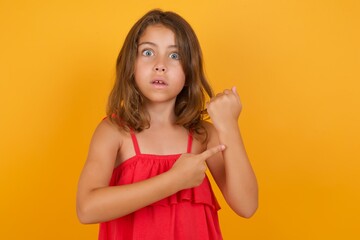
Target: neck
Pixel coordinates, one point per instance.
(161, 114)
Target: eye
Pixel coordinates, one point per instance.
(147, 53)
(175, 56)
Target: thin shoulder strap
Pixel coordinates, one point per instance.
(190, 140)
(135, 142)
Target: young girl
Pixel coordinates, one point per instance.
(145, 173)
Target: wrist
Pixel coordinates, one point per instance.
(227, 127)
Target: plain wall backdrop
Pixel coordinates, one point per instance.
(296, 67)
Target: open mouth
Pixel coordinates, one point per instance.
(159, 83)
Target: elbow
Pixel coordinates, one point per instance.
(248, 213)
(84, 215)
(84, 220)
(245, 212)
(245, 209)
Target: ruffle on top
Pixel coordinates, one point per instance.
(144, 166)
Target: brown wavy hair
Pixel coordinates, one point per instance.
(125, 104)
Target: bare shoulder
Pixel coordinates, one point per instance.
(106, 142)
(104, 147)
(108, 134)
(108, 128)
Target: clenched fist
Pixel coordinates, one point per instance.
(224, 109)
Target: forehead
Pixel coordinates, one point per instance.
(158, 33)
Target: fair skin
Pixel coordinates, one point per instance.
(160, 78)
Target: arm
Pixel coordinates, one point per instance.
(97, 202)
(231, 170)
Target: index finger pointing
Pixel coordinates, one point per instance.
(212, 151)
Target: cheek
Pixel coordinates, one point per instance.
(138, 69)
(182, 75)
(178, 70)
(141, 65)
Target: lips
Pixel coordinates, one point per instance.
(159, 83)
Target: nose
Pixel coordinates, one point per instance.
(160, 68)
(160, 65)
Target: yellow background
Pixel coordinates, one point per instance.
(295, 64)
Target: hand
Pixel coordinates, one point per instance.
(224, 109)
(190, 168)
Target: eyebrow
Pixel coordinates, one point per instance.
(153, 44)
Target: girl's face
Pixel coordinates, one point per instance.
(158, 71)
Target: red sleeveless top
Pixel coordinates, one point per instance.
(190, 214)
